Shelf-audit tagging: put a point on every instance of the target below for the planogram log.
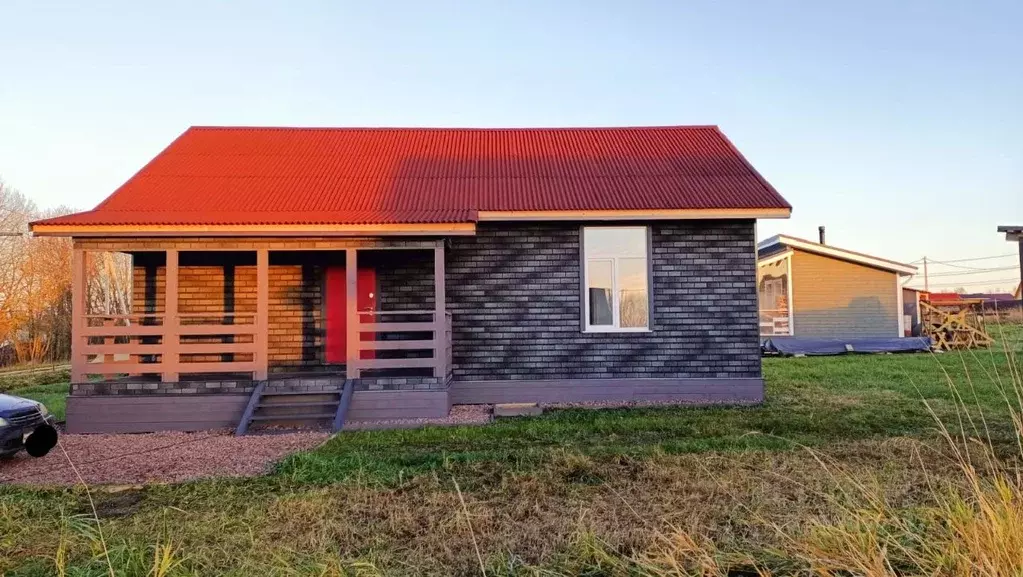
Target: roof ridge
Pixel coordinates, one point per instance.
(459, 128)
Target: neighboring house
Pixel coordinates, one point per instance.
(809, 289)
(426, 267)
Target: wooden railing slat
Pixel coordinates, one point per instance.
(396, 327)
(408, 345)
(364, 364)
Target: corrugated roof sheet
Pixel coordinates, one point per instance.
(225, 175)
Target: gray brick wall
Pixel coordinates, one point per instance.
(514, 291)
(404, 279)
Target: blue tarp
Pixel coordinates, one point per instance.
(810, 346)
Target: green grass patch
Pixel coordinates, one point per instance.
(11, 380)
(54, 397)
(48, 387)
(810, 401)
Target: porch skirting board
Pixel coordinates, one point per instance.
(390, 405)
(149, 413)
(708, 391)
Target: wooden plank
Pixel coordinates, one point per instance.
(262, 336)
(440, 317)
(214, 314)
(351, 315)
(122, 368)
(122, 349)
(397, 327)
(78, 310)
(170, 323)
(132, 331)
(234, 367)
(216, 348)
(393, 363)
(197, 330)
(408, 345)
(144, 413)
(404, 312)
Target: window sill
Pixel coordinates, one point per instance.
(616, 330)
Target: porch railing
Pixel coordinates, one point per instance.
(402, 339)
(138, 344)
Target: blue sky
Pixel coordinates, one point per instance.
(899, 125)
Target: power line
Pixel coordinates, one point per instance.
(992, 257)
(977, 282)
(964, 267)
(973, 272)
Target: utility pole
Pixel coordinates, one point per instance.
(1015, 234)
(927, 284)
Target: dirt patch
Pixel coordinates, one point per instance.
(459, 415)
(155, 457)
(120, 504)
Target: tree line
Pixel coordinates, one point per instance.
(35, 284)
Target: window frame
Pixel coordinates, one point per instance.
(615, 327)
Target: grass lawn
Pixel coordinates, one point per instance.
(562, 494)
(48, 387)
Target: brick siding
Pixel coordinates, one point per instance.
(515, 295)
(296, 305)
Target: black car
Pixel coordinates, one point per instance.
(25, 424)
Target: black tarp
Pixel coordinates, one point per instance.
(834, 346)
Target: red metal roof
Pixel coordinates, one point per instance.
(944, 297)
(270, 176)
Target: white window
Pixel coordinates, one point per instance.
(615, 270)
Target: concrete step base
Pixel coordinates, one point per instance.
(517, 410)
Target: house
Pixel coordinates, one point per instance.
(811, 289)
(420, 268)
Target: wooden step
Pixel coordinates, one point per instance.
(292, 393)
(299, 404)
(296, 417)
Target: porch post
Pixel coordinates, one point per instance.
(352, 335)
(440, 346)
(171, 340)
(262, 338)
(78, 312)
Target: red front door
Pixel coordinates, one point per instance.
(336, 310)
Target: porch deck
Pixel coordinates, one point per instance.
(198, 349)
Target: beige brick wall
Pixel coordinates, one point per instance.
(296, 334)
(835, 298)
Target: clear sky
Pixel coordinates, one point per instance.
(898, 125)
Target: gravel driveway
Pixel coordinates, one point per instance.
(155, 457)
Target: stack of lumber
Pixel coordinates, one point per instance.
(953, 325)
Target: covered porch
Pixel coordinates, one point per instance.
(231, 317)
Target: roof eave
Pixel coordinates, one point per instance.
(839, 253)
(339, 230)
(656, 214)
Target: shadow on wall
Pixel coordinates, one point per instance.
(862, 317)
